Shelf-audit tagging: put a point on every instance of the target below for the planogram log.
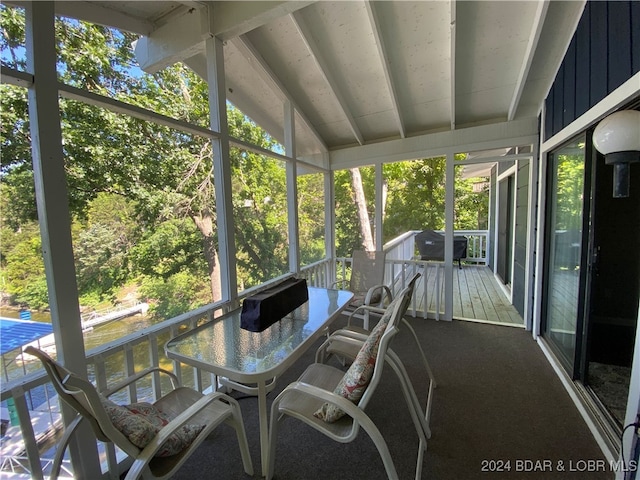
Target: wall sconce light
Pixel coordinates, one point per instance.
(617, 137)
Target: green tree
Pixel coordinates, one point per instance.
(415, 198)
(349, 228)
(570, 185)
(166, 174)
(259, 208)
(23, 274)
(311, 217)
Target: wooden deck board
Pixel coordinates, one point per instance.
(476, 293)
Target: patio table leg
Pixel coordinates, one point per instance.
(264, 429)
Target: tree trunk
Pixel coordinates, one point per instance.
(385, 193)
(204, 222)
(363, 213)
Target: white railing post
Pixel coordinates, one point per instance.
(28, 435)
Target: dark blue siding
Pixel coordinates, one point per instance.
(603, 54)
(598, 60)
(583, 53)
(635, 36)
(569, 87)
(619, 54)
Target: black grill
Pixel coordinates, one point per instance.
(431, 246)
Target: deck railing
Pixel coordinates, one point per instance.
(140, 349)
(119, 359)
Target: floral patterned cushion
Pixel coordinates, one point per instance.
(140, 422)
(357, 378)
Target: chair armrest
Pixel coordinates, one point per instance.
(366, 309)
(141, 374)
(345, 348)
(349, 335)
(342, 282)
(371, 292)
(344, 335)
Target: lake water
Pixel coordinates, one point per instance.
(14, 368)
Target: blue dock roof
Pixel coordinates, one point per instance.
(16, 333)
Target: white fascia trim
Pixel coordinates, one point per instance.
(102, 15)
(561, 58)
(508, 172)
(500, 158)
(485, 137)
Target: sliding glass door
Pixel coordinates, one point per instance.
(565, 215)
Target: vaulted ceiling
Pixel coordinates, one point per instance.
(359, 73)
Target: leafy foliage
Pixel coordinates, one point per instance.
(416, 196)
(259, 207)
(177, 294)
(569, 185)
(311, 217)
(23, 273)
(171, 247)
(414, 200)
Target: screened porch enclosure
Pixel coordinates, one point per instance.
(334, 86)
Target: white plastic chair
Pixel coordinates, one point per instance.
(366, 282)
(359, 333)
(346, 342)
(182, 406)
(316, 387)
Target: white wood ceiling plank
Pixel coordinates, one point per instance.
(260, 113)
(384, 60)
(491, 44)
(298, 72)
(321, 63)
(264, 71)
(418, 43)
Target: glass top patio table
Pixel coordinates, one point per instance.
(242, 357)
(223, 348)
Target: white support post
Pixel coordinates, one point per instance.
(379, 207)
(222, 169)
(531, 239)
(538, 289)
(292, 186)
(448, 236)
(53, 214)
(330, 224)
